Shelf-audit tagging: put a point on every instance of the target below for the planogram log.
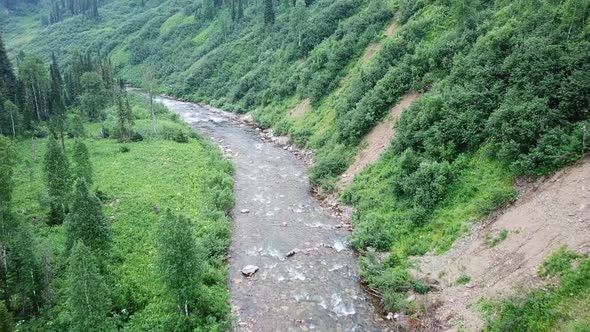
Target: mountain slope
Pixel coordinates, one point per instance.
(549, 214)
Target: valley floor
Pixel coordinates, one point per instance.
(307, 277)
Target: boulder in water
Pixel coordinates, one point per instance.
(250, 270)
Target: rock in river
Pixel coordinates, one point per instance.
(249, 270)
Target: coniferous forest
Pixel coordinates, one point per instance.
(115, 214)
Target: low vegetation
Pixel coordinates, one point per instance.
(493, 241)
(133, 195)
(562, 306)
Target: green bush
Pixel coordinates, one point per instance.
(329, 164)
(559, 308)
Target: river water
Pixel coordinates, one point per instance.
(317, 288)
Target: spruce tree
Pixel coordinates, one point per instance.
(269, 12)
(86, 222)
(88, 300)
(178, 260)
(82, 165)
(25, 273)
(59, 180)
(57, 108)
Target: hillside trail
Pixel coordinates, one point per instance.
(307, 277)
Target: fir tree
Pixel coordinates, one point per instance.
(86, 222)
(82, 165)
(178, 260)
(59, 180)
(88, 302)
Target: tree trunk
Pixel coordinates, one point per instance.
(4, 258)
(61, 134)
(33, 148)
(154, 121)
(47, 277)
(36, 102)
(12, 121)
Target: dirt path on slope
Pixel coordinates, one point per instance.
(547, 215)
(377, 141)
(307, 277)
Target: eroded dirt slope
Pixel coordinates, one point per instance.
(547, 215)
(377, 141)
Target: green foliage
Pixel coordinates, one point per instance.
(24, 276)
(86, 222)
(192, 179)
(6, 321)
(88, 295)
(269, 12)
(559, 263)
(82, 167)
(563, 307)
(123, 131)
(463, 280)
(493, 241)
(328, 166)
(505, 92)
(76, 126)
(58, 179)
(408, 228)
(11, 118)
(389, 277)
(179, 260)
(8, 160)
(94, 97)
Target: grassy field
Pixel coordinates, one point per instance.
(136, 187)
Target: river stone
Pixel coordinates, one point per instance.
(249, 270)
(244, 211)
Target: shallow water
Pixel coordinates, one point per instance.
(315, 289)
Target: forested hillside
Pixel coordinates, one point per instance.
(504, 92)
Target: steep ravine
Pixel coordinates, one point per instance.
(275, 216)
